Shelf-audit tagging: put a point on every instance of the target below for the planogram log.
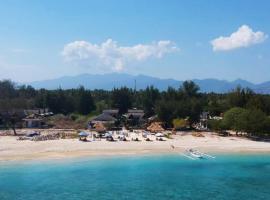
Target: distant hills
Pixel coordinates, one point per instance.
(116, 80)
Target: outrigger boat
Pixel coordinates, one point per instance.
(195, 154)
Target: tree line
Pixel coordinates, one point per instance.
(186, 102)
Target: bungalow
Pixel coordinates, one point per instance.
(112, 112)
(135, 117)
(38, 111)
(33, 121)
(35, 118)
(203, 120)
(103, 118)
(135, 113)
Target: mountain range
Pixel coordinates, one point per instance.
(116, 80)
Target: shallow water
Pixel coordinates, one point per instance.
(170, 177)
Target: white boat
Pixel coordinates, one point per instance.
(194, 153)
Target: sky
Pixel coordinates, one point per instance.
(179, 39)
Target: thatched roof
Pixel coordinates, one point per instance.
(104, 118)
(99, 127)
(155, 127)
(111, 111)
(135, 111)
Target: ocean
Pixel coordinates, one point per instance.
(168, 177)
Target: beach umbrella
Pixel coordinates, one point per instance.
(83, 134)
(145, 134)
(108, 135)
(99, 127)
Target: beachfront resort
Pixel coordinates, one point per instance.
(106, 134)
(134, 100)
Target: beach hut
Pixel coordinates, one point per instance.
(135, 117)
(104, 118)
(99, 127)
(155, 127)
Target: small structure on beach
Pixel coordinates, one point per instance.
(135, 113)
(104, 118)
(112, 112)
(34, 121)
(204, 116)
(135, 117)
(35, 118)
(99, 127)
(36, 111)
(107, 118)
(155, 127)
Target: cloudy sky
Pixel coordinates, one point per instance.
(168, 39)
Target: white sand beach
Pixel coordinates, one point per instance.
(12, 149)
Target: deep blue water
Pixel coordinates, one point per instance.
(230, 177)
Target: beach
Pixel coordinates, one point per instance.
(12, 149)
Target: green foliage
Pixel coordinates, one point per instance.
(244, 110)
(189, 89)
(251, 121)
(85, 102)
(239, 97)
(149, 98)
(101, 105)
(166, 111)
(186, 102)
(122, 99)
(179, 123)
(216, 125)
(7, 89)
(266, 126)
(233, 118)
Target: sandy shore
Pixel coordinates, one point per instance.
(12, 149)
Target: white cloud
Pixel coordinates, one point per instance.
(243, 37)
(110, 54)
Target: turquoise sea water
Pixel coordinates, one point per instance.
(230, 177)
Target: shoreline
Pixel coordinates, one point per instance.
(87, 157)
(12, 149)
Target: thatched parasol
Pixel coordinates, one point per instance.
(155, 127)
(99, 127)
